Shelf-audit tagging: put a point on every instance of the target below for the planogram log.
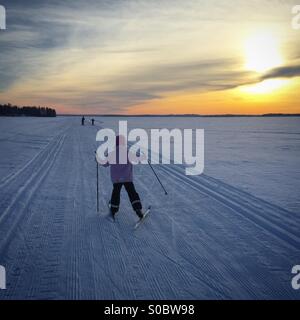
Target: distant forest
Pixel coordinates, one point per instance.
(8, 110)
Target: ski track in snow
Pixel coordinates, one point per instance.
(206, 240)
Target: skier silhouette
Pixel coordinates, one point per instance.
(122, 175)
(93, 122)
(82, 121)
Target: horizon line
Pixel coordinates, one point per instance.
(183, 115)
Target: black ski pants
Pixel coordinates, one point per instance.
(132, 194)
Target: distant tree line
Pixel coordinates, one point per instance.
(9, 110)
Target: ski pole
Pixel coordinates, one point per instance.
(97, 184)
(166, 193)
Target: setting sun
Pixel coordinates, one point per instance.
(262, 53)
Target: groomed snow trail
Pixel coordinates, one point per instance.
(206, 240)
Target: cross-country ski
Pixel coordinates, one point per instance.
(145, 215)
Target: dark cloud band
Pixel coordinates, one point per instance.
(283, 72)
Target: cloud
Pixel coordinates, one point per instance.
(283, 72)
(153, 81)
(163, 80)
(107, 101)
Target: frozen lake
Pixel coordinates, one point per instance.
(231, 233)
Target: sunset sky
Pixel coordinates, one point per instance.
(153, 57)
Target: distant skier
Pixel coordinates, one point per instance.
(93, 122)
(82, 121)
(122, 175)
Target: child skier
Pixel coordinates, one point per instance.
(122, 175)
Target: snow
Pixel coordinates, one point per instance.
(231, 233)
